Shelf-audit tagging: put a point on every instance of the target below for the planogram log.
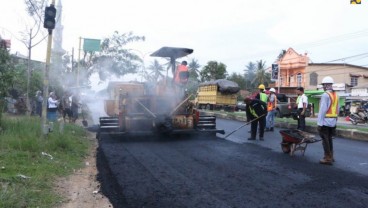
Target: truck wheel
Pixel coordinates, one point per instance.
(279, 114)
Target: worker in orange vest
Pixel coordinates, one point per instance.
(181, 74)
(271, 110)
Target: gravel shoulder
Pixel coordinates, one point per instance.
(81, 189)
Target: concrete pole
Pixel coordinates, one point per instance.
(29, 108)
(79, 51)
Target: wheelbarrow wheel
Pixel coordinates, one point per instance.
(285, 147)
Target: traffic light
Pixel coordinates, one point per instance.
(50, 14)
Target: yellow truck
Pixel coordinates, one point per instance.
(216, 95)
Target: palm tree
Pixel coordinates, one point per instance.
(249, 75)
(282, 53)
(194, 70)
(260, 77)
(157, 71)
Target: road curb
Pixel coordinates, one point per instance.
(354, 134)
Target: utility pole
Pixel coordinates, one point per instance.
(72, 67)
(79, 51)
(28, 104)
(49, 24)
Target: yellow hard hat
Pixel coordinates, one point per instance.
(261, 87)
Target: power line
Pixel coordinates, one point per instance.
(354, 56)
(338, 38)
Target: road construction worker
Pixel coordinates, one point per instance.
(256, 111)
(302, 103)
(271, 110)
(181, 74)
(181, 77)
(262, 96)
(327, 119)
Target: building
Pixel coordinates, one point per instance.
(295, 70)
(345, 76)
(292, 70)
(359, 92)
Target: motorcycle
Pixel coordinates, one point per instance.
(356, 118)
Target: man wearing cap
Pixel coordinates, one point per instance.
(327, 119)
(271, 110)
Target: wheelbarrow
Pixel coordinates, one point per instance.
(296, 140)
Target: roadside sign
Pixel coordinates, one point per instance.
(275, 72)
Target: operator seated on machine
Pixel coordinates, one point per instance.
(181, 77)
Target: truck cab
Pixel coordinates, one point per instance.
(285, 105)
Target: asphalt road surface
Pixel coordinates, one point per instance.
(209, 172)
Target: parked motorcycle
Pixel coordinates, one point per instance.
(356, 118)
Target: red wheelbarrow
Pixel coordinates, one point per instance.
(296, 140)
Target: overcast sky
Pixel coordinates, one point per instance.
(233, 32)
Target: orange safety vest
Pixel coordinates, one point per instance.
(271, 105)
(333, 110)
(181, 74)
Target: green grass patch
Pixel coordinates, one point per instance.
(292, 121)
(313, 123)
(30, 162)
(234, 113)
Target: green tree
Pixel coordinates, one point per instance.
(261, 77)
(6, 76)
(282, 53)
(156, 71)
(194, 79)
(194, 70)
(249, 74)
(213, 71)
(20, 74)
(115, 58)
(33, 35)
(239, 79)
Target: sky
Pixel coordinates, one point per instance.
(233, 32)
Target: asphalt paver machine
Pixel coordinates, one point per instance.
(143, 108)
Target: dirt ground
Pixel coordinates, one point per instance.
(82, 189)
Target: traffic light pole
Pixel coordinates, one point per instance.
(79, 51)
(44, 124)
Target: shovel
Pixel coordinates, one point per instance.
(244, 125)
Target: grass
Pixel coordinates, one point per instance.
(292, 121)
(27, 171)
(313, 123)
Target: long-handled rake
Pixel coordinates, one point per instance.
(244, 125)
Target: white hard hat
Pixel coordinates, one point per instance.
(327, 80)
(272, 90)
